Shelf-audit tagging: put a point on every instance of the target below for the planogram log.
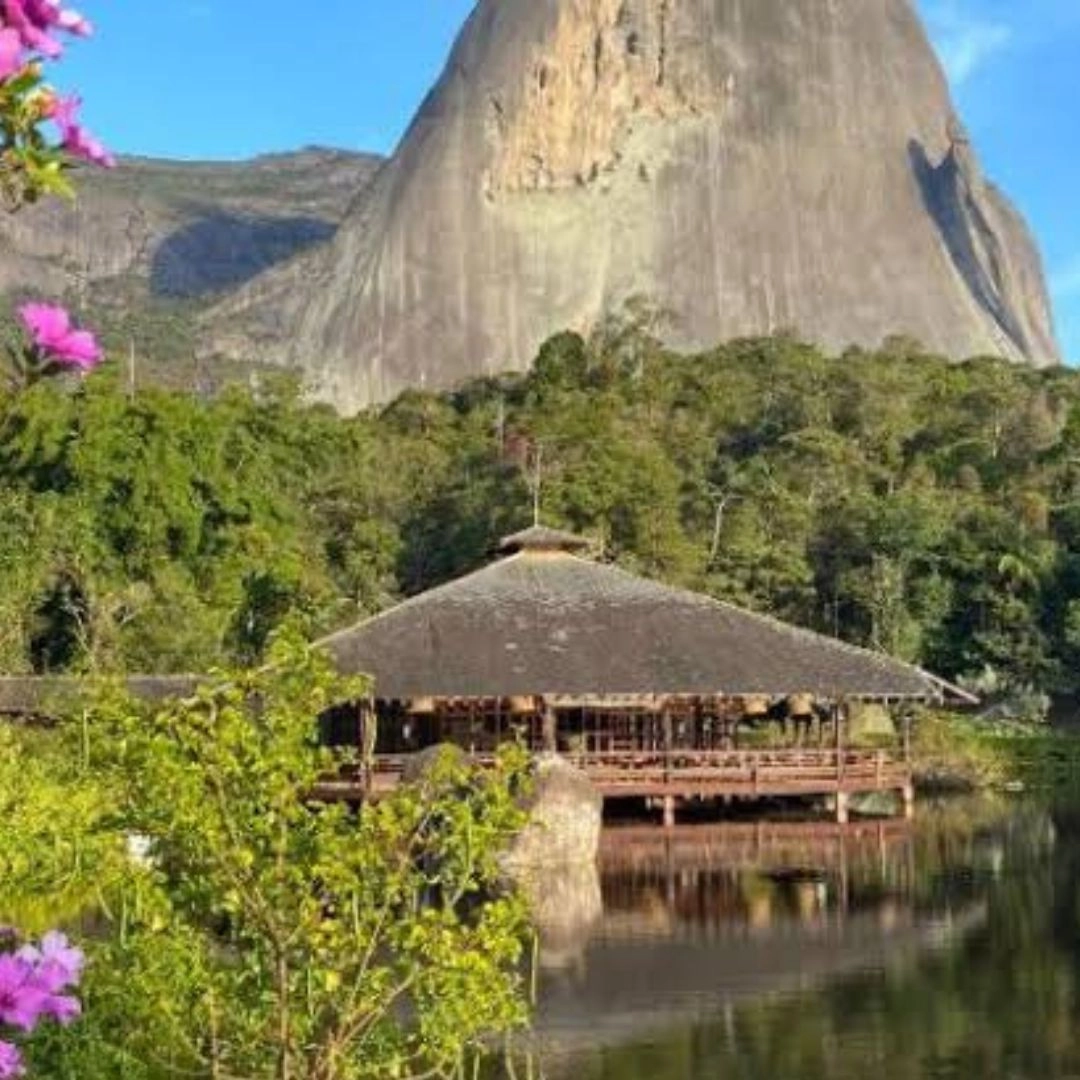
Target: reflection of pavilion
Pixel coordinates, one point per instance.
(657, 693)
(759, 845)
(694, 919)
(731, 880)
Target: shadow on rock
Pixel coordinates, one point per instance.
(221, 250)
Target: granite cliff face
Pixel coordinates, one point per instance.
(172, 230)
(749, 165)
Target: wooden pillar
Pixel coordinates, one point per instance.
(549, 730)
(907, 736)
(841, 807)
(369, 729)
(369, 739)
(669, 811)
(908, 795)
(840, 712)
(669, 743)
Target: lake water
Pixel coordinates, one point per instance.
(945, 949)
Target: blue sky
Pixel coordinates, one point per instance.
(229, 78)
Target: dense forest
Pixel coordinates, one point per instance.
(913, 505)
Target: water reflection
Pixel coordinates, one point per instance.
(804, 951)
(765, 879)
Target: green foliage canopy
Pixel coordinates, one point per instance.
(922, 507)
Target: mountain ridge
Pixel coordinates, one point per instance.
(179, 229)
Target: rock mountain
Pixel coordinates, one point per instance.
(180, 231)
(748, 165)
(745, 165)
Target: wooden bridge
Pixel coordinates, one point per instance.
(667, 778)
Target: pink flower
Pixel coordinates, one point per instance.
(23, 17)
(11, 1062)
(34, 21)
(11, 53)
(81, 144)
(75, 23)
(64, 112)
(50, 328)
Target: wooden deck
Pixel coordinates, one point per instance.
(694, 774)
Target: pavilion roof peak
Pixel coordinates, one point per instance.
(541, 538)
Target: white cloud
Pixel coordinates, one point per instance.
(965, 42)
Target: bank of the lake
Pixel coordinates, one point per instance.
(953, 753)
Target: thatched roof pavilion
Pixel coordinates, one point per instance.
(543, 620)
(652, 690)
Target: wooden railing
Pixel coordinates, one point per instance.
(741, 772)
(704, 773)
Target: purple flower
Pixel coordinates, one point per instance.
(60, 1007)
(22, 1003)
(30, 984)
(50, 329)
(11, 1062)
(56, 947)
(58, 964)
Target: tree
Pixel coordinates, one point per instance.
(280, 938)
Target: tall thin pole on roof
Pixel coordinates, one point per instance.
(538, 481)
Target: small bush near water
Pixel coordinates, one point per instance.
(957, 753)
